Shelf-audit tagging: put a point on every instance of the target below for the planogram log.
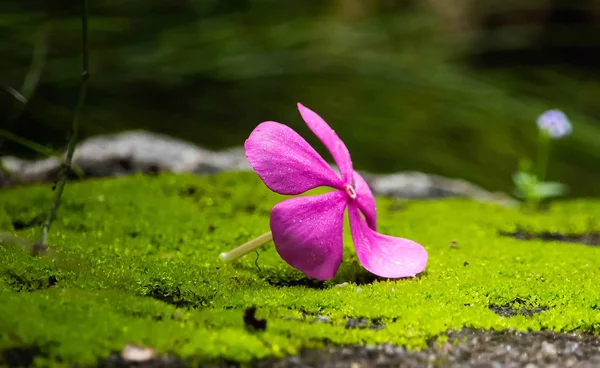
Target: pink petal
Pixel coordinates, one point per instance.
(334, 144)
(307, 232)
(384, 255)
(365, 200)
(285, 162)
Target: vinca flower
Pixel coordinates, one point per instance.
(308, 230)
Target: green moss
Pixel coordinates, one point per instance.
(135, 260)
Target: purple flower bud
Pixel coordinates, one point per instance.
(555, 123)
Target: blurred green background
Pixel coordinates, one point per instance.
(451, 87)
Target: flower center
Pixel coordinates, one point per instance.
(350, 190)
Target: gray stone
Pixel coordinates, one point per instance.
(127, 153)
(548, 348)
(322, 319)
(140, 151)
(418, 185)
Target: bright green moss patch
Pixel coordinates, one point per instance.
(135, 260)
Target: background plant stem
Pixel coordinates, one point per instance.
(5, 134)
(85, 76)
(30, 84)
(543, 155)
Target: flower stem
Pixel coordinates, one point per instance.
(85, 76)
(246, 248)
(543, 155)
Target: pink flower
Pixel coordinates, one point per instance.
(308, 231)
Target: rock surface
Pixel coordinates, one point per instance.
(465, 348)
(144, 152)
(128, 153)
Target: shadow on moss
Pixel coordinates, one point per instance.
(21, 356)
(519, 306)
(189, 191)
(355, 273)
(508, 311)
(304, 281)
(21, 283)
(350, 322)
(175, 298)
(363, 323)
(352, 273)
(22, 224)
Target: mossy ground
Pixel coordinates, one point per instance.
(135, 260)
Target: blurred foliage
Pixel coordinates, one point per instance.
(448, 87)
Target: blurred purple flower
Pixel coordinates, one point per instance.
(555, 123)
(308, 230)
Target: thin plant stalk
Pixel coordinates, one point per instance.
(29, 86)
(16, 94)
(33, 76)
(85, 76)
(26, 142)
(37, 148)
(543, 155)
(246, 248)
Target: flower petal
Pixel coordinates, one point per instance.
(285, 162)
(334, 144)
(365, 200)
(384, 255)
(308, 233)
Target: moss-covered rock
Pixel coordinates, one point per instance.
(135, 260)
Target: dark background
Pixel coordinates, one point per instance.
(450, 87)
